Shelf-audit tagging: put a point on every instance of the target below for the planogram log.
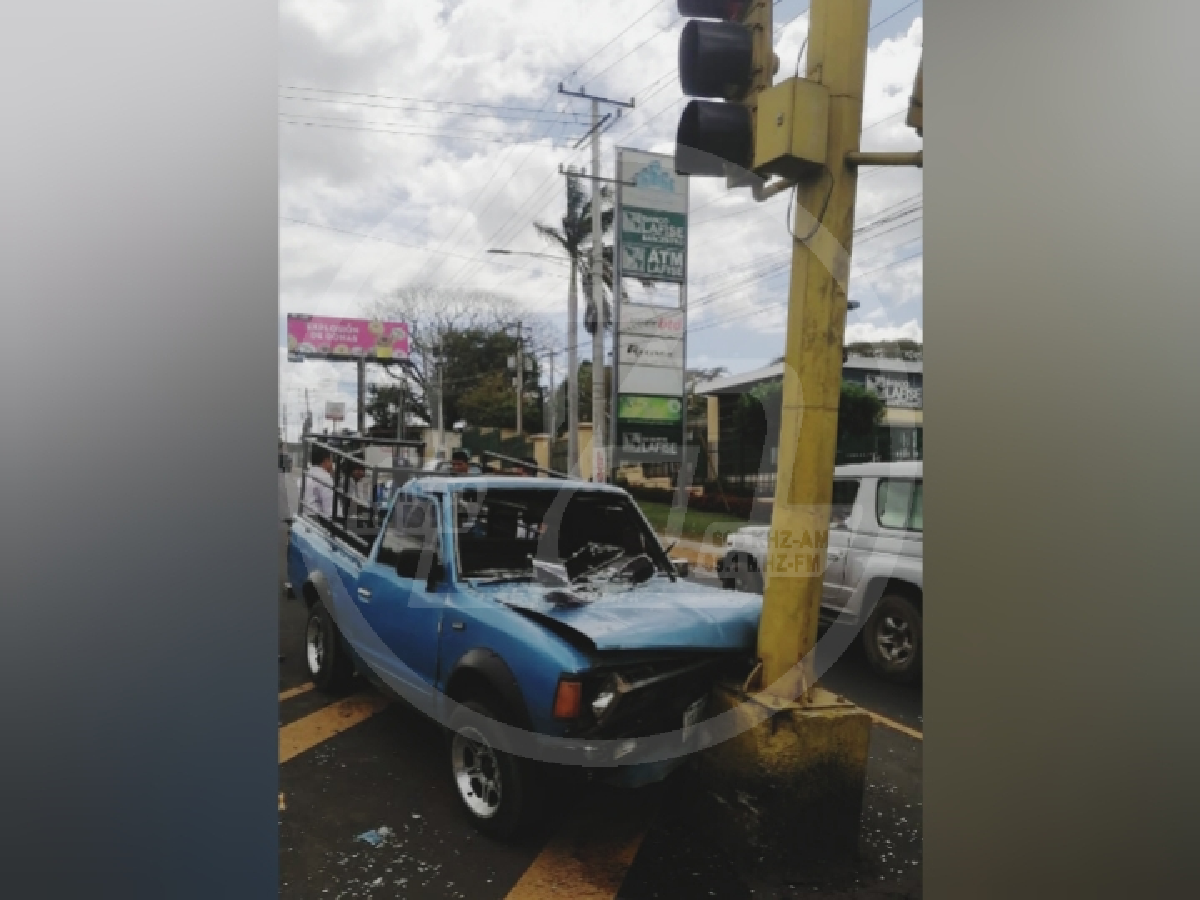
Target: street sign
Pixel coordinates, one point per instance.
(649, 428)
(650, 341)
(653, 244)
(335, 411)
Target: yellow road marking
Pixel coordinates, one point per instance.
(590, 856)
(296, 691)
(313, 729)
(895, 726)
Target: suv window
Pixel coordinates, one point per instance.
(410, 539)
(900, 504)
(845, 492)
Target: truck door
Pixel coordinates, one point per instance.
(834, 591)
(393, 594)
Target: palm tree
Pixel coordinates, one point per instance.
(575, 238)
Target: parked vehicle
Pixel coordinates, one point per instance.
(454, 598)
(874, 562)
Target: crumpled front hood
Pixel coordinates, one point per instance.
(658, 614)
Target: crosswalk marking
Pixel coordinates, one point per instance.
(315, 728)
(296, 691)
(894, 725)
(591, 854)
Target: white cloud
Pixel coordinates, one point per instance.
(450, 198)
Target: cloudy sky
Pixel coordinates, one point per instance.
(414, 136)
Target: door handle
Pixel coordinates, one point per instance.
(364, 594)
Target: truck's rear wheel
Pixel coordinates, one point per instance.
(893, 638)
(497, 791)
(328, 662)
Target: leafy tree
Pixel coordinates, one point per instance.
(469, 331)
(491, 402)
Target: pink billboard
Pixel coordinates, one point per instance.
(331, 338)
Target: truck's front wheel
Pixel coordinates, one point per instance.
(496, 789)
(328, 662)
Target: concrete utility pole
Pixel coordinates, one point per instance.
(573, 372)
(837, 57)
(599, 467)
(362, 396)
(520, 380)
(599, 454)
(552, 418)
(441, 408)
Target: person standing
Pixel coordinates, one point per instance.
(318, 488)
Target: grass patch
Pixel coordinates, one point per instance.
(710, 527)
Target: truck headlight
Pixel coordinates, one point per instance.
(602, 702)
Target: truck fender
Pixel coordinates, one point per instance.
(317, 588)
(487, 666)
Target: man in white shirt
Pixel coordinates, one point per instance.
(318, 487)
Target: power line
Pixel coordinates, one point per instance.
(529, 109)
(548, 117)
(484, 132)
(616, 38)
(887, 19)
(442, 135)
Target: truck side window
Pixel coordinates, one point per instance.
(410, 539)
(900, 504)
(845, 492)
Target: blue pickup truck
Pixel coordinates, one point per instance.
(538, 619)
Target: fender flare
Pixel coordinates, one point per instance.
(488, 665)
(317, 584)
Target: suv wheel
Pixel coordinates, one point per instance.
(893, 637)
(328, 662)
(495, 789)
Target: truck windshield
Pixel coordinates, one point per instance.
(500, 531)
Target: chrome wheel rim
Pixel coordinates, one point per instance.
(476, 772)
(314, 645)
(894, 639)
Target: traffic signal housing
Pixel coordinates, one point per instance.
(742, 122)
(726, 59)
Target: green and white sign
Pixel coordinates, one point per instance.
(653, 244)
(649, 346)
(663, 410)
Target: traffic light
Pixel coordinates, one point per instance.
(916, 107)
(725, 57)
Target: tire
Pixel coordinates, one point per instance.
(328, 662)
(497, 791)
(893, 639)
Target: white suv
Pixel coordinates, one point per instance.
(874, 562)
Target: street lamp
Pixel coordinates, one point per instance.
(502, 252)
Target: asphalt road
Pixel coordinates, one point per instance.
(357, 764)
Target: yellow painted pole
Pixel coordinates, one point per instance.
(795, 560)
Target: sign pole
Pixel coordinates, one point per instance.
(618, 295)
(362, 396)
